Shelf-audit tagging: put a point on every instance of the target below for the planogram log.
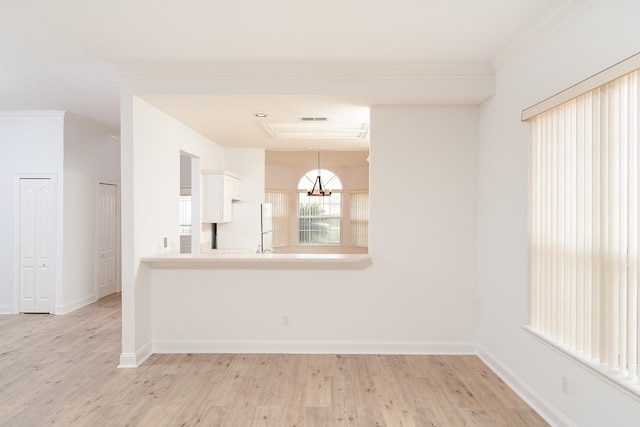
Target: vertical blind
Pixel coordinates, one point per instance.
(185, 215)
(280, 226)
(584, 231)
(319, 219)
(359, 217)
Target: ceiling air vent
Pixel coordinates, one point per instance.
(313, 119)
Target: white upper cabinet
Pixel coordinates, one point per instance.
(219, 190)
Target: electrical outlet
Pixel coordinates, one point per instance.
(285, 321)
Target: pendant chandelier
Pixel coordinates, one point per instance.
(318, 189)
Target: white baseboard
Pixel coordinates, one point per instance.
(133, 360)
(534, 399)
(313, 347)
(68, 308)
(6, 309)
(128, 360)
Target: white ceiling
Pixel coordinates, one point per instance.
(232, 121)
(66, 54)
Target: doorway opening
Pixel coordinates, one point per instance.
(189, 204)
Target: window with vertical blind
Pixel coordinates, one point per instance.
(319, 217)
(359, 218)
(584, 228)
(185, 215)
(280, 203)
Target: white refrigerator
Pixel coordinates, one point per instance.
(250, 228)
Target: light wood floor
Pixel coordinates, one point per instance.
(62, 370)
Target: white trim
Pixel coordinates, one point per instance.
(82, 302)
(556, 16)
(196, 205)
(589, 364)
(73, 118)
(90, 124)
(314, 347)
(308, 68)
(542, 406)
(603, 77)
(128, 360)
(6, 309)
(31, 114)
(133, 360)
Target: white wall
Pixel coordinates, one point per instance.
(90, 156)
(599, 34)
(278, 177)
(249, 164)
(49, 142)
(158, 141)
(419, 294)
(423, 207)
(151, 146)
(287, 177)
(31, 143)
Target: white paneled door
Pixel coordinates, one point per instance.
(36, 245)
(106, 233)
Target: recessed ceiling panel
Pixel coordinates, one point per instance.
(317, 129)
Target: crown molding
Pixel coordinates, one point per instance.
(306, 69)
(547, 23)
(90, 124)
(30, 114)
(59, 114)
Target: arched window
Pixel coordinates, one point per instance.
(319, 217)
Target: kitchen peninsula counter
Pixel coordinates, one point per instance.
(222, 260)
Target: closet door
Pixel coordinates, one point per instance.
(106, 211)
(36, 245)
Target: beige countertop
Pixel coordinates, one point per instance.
(229, 259)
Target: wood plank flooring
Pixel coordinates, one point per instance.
(62, 370)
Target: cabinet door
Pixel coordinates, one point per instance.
(236, 189)
(218, 191)
(212, 187)
(227, 190)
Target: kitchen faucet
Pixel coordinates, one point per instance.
(260, 251)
